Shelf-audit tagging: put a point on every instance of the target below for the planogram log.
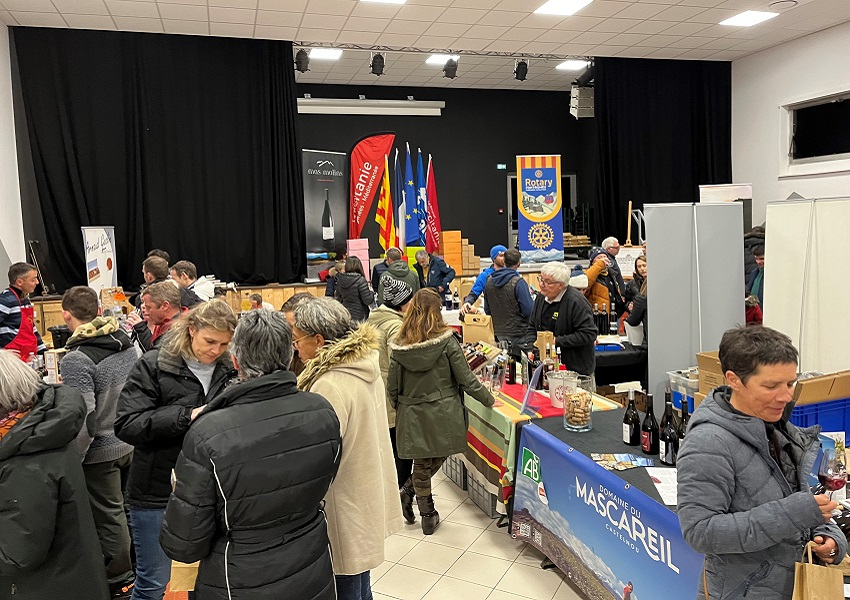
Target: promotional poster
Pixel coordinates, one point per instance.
(100, 257)
(325, 200)
(541, 227)
(367, 171)
(605, 535)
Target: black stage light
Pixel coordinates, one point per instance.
(450, 69)
(521, 71)
(302, 61)
(377, 64)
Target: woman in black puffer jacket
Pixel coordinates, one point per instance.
(251, 478)
(353, 291)
(165, 391)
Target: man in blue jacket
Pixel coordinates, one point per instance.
(508, 300)
(433, 272)
(497, 255)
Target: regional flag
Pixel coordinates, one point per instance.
(435, 228)
(398, 202)
(384, 213)
(411, 220)
(421, 201)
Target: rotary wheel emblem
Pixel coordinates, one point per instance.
(541, 235)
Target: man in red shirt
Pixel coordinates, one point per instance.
(627, 591)
(160, 306)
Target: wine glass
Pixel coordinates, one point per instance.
(832, 473)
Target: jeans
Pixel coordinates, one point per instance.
(103, 481)
(153, 567)
(353, 587)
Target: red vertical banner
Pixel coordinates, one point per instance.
(367, 168)
(433, 226)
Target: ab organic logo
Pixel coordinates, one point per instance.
(531, 469)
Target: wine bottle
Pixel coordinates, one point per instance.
(511, 376)
(596, 316)
(631, 422)
(649, 429)
(668, 397)
(668, 439)
(455, 301)
(603, 320)
(327, 223)
(683, 422)
(448, 299)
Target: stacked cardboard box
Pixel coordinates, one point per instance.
(458, 253)
(360, 249)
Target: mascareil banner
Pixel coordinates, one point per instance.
(367, 169)
(325, 200)
(100, 257)
(598, 531)
(541, 228)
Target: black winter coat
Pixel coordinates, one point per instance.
(355, 295)
(153, 415)
(48, 543)
(250, 481)
(574, 329)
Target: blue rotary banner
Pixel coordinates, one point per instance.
(539, 200)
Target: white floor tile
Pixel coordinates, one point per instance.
(406, 583)
(447, 490)
(455, 535)
(378, 596)
(469, 514)
(455, 589)
(479, 569)
(432, 557)
(438, 477)
(530, 556)
(494, 526)
(414, 530)
(396, 546)
(377, 573)
(529, 582)
(566, 592)
(498, 544)
(500, 595)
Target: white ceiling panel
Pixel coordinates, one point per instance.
(131, 8)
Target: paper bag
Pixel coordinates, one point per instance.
(815, 582)
(478, 328)
(544, 338)
(183, 577)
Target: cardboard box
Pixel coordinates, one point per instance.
(52, 358)
(464, 241)
(451, 236)
(622, 398)
(357, 244)
(834, 386)
(698, 398)
(710, 373)
(478, 328)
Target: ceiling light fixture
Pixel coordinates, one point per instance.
(376, 65)
(572, 65)
(302, 61)
(450, 68)
(749, 18)
(440, 59)
(325, 53)
(521, 70)
(563, 8)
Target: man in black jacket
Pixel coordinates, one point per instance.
(433, 271)
(564, 311)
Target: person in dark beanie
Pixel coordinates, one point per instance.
(99, 360)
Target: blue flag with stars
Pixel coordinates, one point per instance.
(411, 218)
(421, 200)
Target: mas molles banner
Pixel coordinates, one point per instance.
(367, 169)
(599, 531)
(541, 228)
(325, 200)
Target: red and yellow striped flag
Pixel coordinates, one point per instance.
(388, 237)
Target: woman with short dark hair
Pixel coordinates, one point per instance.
(353, 290)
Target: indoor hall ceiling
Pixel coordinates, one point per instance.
(681, 29)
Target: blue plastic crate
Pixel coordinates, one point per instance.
(831, 416)
(677, 402)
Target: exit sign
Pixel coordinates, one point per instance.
(502, 166)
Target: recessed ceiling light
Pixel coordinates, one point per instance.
(572, 65)
(440, 59)
(385, 1)
(749, 18)
(562, 7)
(325, 53)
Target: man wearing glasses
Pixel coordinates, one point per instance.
(611, 247)
(564, 311)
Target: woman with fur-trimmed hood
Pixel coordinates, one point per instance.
(362, 505)
(427, 378)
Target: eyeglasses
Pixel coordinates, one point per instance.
(542, 281)
(298, 339)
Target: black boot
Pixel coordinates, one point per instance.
(407, 493)
(430, 517)
(122, 590)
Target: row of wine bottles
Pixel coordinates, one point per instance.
(605, 320)
(654, 439)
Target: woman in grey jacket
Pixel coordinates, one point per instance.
(744, 498)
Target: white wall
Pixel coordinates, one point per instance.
(808, 67)
(11, 223)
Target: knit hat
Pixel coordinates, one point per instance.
(496, 251)
(397, 292)
(578, 279)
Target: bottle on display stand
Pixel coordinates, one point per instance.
(328, 235)
(631, 422)
(511, 376)
(603, 320)
(649, 429)
(448, 299)
(526, 378)
(558, 360)
(668, 437)
(668, 397)
(455, 301)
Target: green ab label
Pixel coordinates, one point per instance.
(531, 465)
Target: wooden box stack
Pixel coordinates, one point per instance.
(360, 249)
(458, 253)
(576, 241)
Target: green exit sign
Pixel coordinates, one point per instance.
(502, 166)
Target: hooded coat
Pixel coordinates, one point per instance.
(386, 322)
(251, 477)
(602, 286)
(48, 543)
(426, 384)
(363, 507)
(737, 507)
(398, 270)
(355, 295)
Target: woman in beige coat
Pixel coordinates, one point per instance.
(363, 505)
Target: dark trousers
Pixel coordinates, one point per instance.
(403, 466)
(104, 483)
(423, 471)
(354, 587)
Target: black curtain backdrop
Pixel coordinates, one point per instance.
(182, 143)
(665, 127)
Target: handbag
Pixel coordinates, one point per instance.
(816, 582)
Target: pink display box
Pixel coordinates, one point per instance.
(358, 244)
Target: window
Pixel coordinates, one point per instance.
(821, 130)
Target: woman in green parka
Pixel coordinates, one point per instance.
(427, 378)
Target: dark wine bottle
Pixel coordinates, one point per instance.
(455, 301)
(649, 430)
(327, 223)
(668, 440)
(668, 397)
(596, 317)
(631, 423)
(683, 422)
(512, 367)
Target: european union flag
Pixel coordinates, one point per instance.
(411, 219)
(421, 200)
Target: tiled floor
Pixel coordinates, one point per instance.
(467, 558)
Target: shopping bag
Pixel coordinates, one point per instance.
(478, 328)
(816, 582)
(183, 576)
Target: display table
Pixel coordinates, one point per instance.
(491, 437)
(617, 366)
(601, 528)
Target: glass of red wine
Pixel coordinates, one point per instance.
(832, 473)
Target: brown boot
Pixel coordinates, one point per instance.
(430, 517)
(407, 494)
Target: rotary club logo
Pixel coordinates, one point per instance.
(541, 235)
(538, 173)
